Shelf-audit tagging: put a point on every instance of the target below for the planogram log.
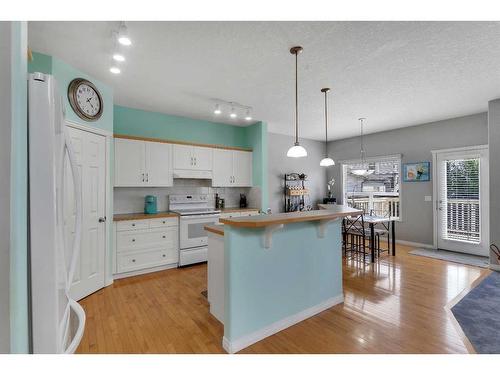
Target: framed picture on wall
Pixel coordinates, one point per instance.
(417, 172)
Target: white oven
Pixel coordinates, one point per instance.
(192, 229)
(195, 212)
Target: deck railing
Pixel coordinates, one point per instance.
(380, 206)
(463, 220)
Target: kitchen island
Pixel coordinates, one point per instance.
(277, 271)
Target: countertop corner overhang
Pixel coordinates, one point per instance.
(336, 212)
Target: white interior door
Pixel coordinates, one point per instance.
(158, 164)
(463, 201)
(90, 152)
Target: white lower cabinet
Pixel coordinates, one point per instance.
(146, 244)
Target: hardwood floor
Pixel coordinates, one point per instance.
(394, 306)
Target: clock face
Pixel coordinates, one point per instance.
(85, 99)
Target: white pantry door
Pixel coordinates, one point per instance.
(463, 201)
(90, 155)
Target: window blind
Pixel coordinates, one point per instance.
(460, 200)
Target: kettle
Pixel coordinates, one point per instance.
(150, 204)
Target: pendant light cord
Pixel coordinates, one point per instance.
(326, 125)
(296, 99)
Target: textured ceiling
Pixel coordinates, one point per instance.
(395, 74)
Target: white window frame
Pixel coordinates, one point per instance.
(343, 164)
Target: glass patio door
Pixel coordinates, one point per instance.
(462, 201)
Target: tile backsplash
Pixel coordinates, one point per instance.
(129, 200)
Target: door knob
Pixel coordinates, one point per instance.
(102, 219)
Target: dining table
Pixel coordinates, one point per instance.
(389, 223)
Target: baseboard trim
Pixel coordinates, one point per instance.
(415, 244)
(143, 271)
(250, 339)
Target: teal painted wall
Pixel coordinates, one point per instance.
(264, 286)
(40, 63)
(19, 339)
(141, 123)
(64, 74)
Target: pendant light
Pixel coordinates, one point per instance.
(326, 161)
(362, 171)
(296, 151)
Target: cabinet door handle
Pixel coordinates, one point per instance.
(147, 177)
(133, 239)
(164, 236)
(133, 260)
(163, 255)
(195, 161)
(142, 177)
(192, 160)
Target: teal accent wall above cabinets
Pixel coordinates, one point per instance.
(64, 74)
(136, 122)
(256, 137)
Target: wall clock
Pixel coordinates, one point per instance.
(85, 99)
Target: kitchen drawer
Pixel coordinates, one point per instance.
(132, 240)
(249, 213)
(146, 259)
(164, 222)
(227, 215)
(132, 225)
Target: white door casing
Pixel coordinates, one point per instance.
(90, 152)
(461, 224)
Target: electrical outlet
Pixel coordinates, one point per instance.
(428, 198)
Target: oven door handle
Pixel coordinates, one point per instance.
(197, 217)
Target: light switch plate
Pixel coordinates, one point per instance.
(428, 198)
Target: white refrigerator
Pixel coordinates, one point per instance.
(57, 322)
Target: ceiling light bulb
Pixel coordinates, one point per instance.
(326, 162)
(118, 57)
(115, 70)
(233, 113)
(123, 35)
(296, 151)
(124, 40)
(247, 115)
(217, 109)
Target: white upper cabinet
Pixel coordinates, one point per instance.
(130, 163)
(158, 164)
(223, 167)
(183, 157)
(140, 163)
(242, 168)
(192, 158)
(232, 168)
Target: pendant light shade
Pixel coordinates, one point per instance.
(296, 151)
(362, 171)
(326, 161)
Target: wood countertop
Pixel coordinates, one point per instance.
(214, 228)
(143, 216)
(260, 221)
(238, 209)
